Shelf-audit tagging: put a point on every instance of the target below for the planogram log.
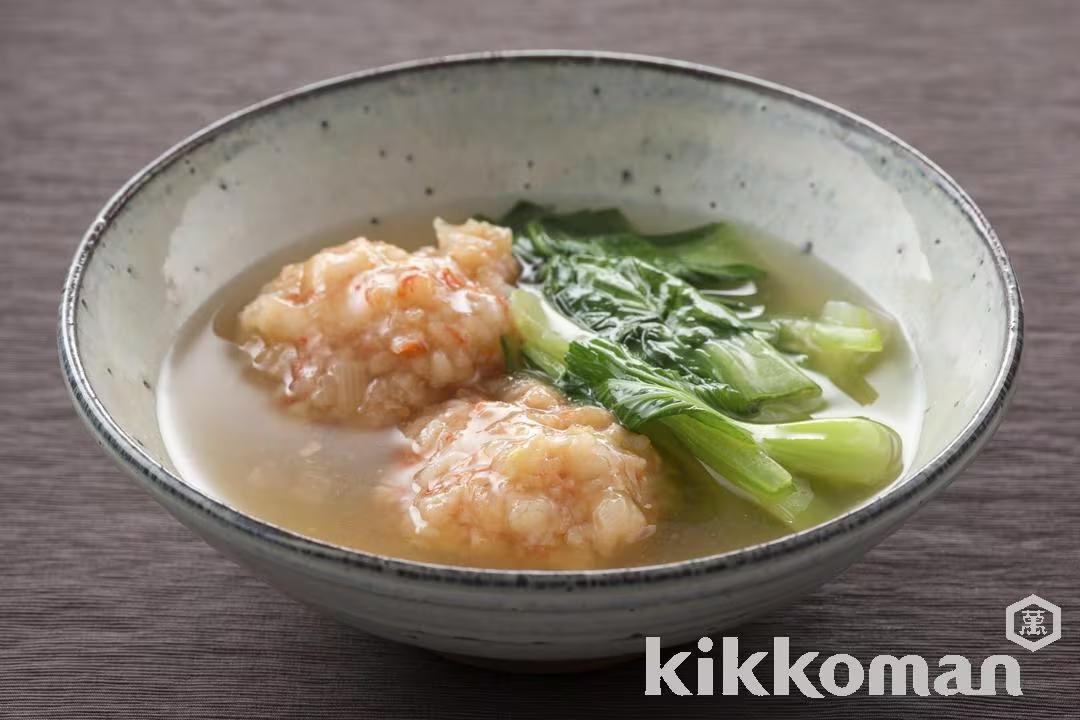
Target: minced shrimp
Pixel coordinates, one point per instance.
(520, 475)
(369, 332)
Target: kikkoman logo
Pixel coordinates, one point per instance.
(886, 674)
(1033, 623)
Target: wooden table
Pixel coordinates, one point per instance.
(109, 608)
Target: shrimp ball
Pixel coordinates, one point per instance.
(519, 475)
(368, 332)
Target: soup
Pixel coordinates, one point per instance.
(482, 460)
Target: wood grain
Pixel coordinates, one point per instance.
(109, 608)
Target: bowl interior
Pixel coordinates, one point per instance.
(433, 139)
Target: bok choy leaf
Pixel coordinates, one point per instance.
(670, 324)
(706, 256)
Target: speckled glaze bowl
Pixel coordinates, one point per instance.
(549, 126)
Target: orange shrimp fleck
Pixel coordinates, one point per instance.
(406, 283)
(451, 280)
(408, 347)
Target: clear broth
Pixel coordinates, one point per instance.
(228, 438)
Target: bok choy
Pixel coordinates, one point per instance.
(668, 299)
(758, 459)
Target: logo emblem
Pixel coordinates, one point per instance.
(1033, 623)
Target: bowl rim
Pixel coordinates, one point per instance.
(932, 476)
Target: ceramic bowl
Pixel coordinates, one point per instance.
(552, 126)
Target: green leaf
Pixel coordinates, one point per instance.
(708, 255)
(669, 323)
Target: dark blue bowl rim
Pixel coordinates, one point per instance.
(897, 501)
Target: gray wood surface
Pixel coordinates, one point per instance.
(109, 608)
